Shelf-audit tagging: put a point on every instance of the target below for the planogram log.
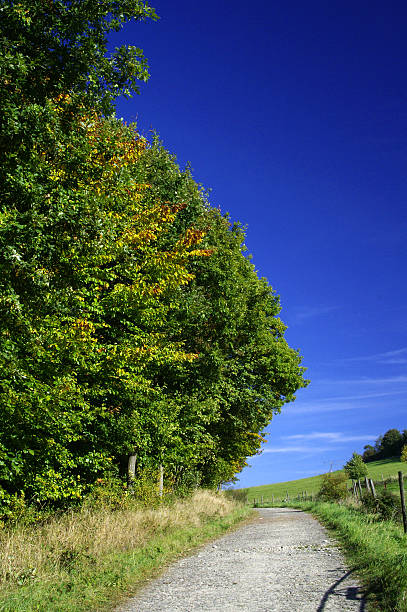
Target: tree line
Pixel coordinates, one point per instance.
(133, 322)
(390, 444)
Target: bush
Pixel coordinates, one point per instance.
(386, 505)
(403, 456)
(239, 495)
(333, 487)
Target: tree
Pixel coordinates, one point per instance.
(227, 315)
(50, 50)
(403, 456)
(60, 238)
(355, 468)
(53, 48)
(133, 320)
(89, 292)
(391, 443)
(369, 453)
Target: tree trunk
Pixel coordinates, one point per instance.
(161, 481)
(131, 469)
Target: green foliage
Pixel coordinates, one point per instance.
(239, 495)
(132, 321)
(369, 452)
(59, 47)
(245, 370)
(388, 445)
(391, 443)
(385, 505)
(333, 487)
(355, 467)
(403, 456)
(88, 337)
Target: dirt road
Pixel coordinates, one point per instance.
(283, 561)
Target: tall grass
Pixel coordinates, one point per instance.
(81, 560)
(377, 550)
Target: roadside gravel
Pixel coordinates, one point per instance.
(282, 561)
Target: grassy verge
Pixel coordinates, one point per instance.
(376, 549)
(89, 560)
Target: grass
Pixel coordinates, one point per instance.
(385, 468)
(377, 550)
(90, 559)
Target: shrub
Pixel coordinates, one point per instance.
(403, 456)
(333, 487)
(386, 505)
(239, 495)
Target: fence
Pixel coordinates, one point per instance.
(356, 489)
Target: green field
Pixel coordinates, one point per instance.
(377, 470)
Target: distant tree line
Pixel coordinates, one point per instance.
(388, 445)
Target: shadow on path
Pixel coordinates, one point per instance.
(352, 593)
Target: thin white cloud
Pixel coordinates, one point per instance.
(366, 395)
(331, 436)
(309, 312)
(326, 406)
(333, 441)
(339, 403)
(398, 356)
(364, 381)
(298, 449)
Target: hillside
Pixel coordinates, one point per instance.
(377, 470)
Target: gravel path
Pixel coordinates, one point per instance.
(282, 561)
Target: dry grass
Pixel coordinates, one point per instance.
(85, 537)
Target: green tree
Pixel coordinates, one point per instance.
(88, 294)
(49, 50)
(58, 236)
(369, 453)
(391, 444)
(229, 317)
(355, 467)
(61, 46)
(403, 456)
(132, 319)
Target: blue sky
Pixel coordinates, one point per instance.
(294, 115)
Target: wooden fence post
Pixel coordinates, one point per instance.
(161, 481)
(131, 469)
(372, 488)
(403, 505)
(367, 485)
